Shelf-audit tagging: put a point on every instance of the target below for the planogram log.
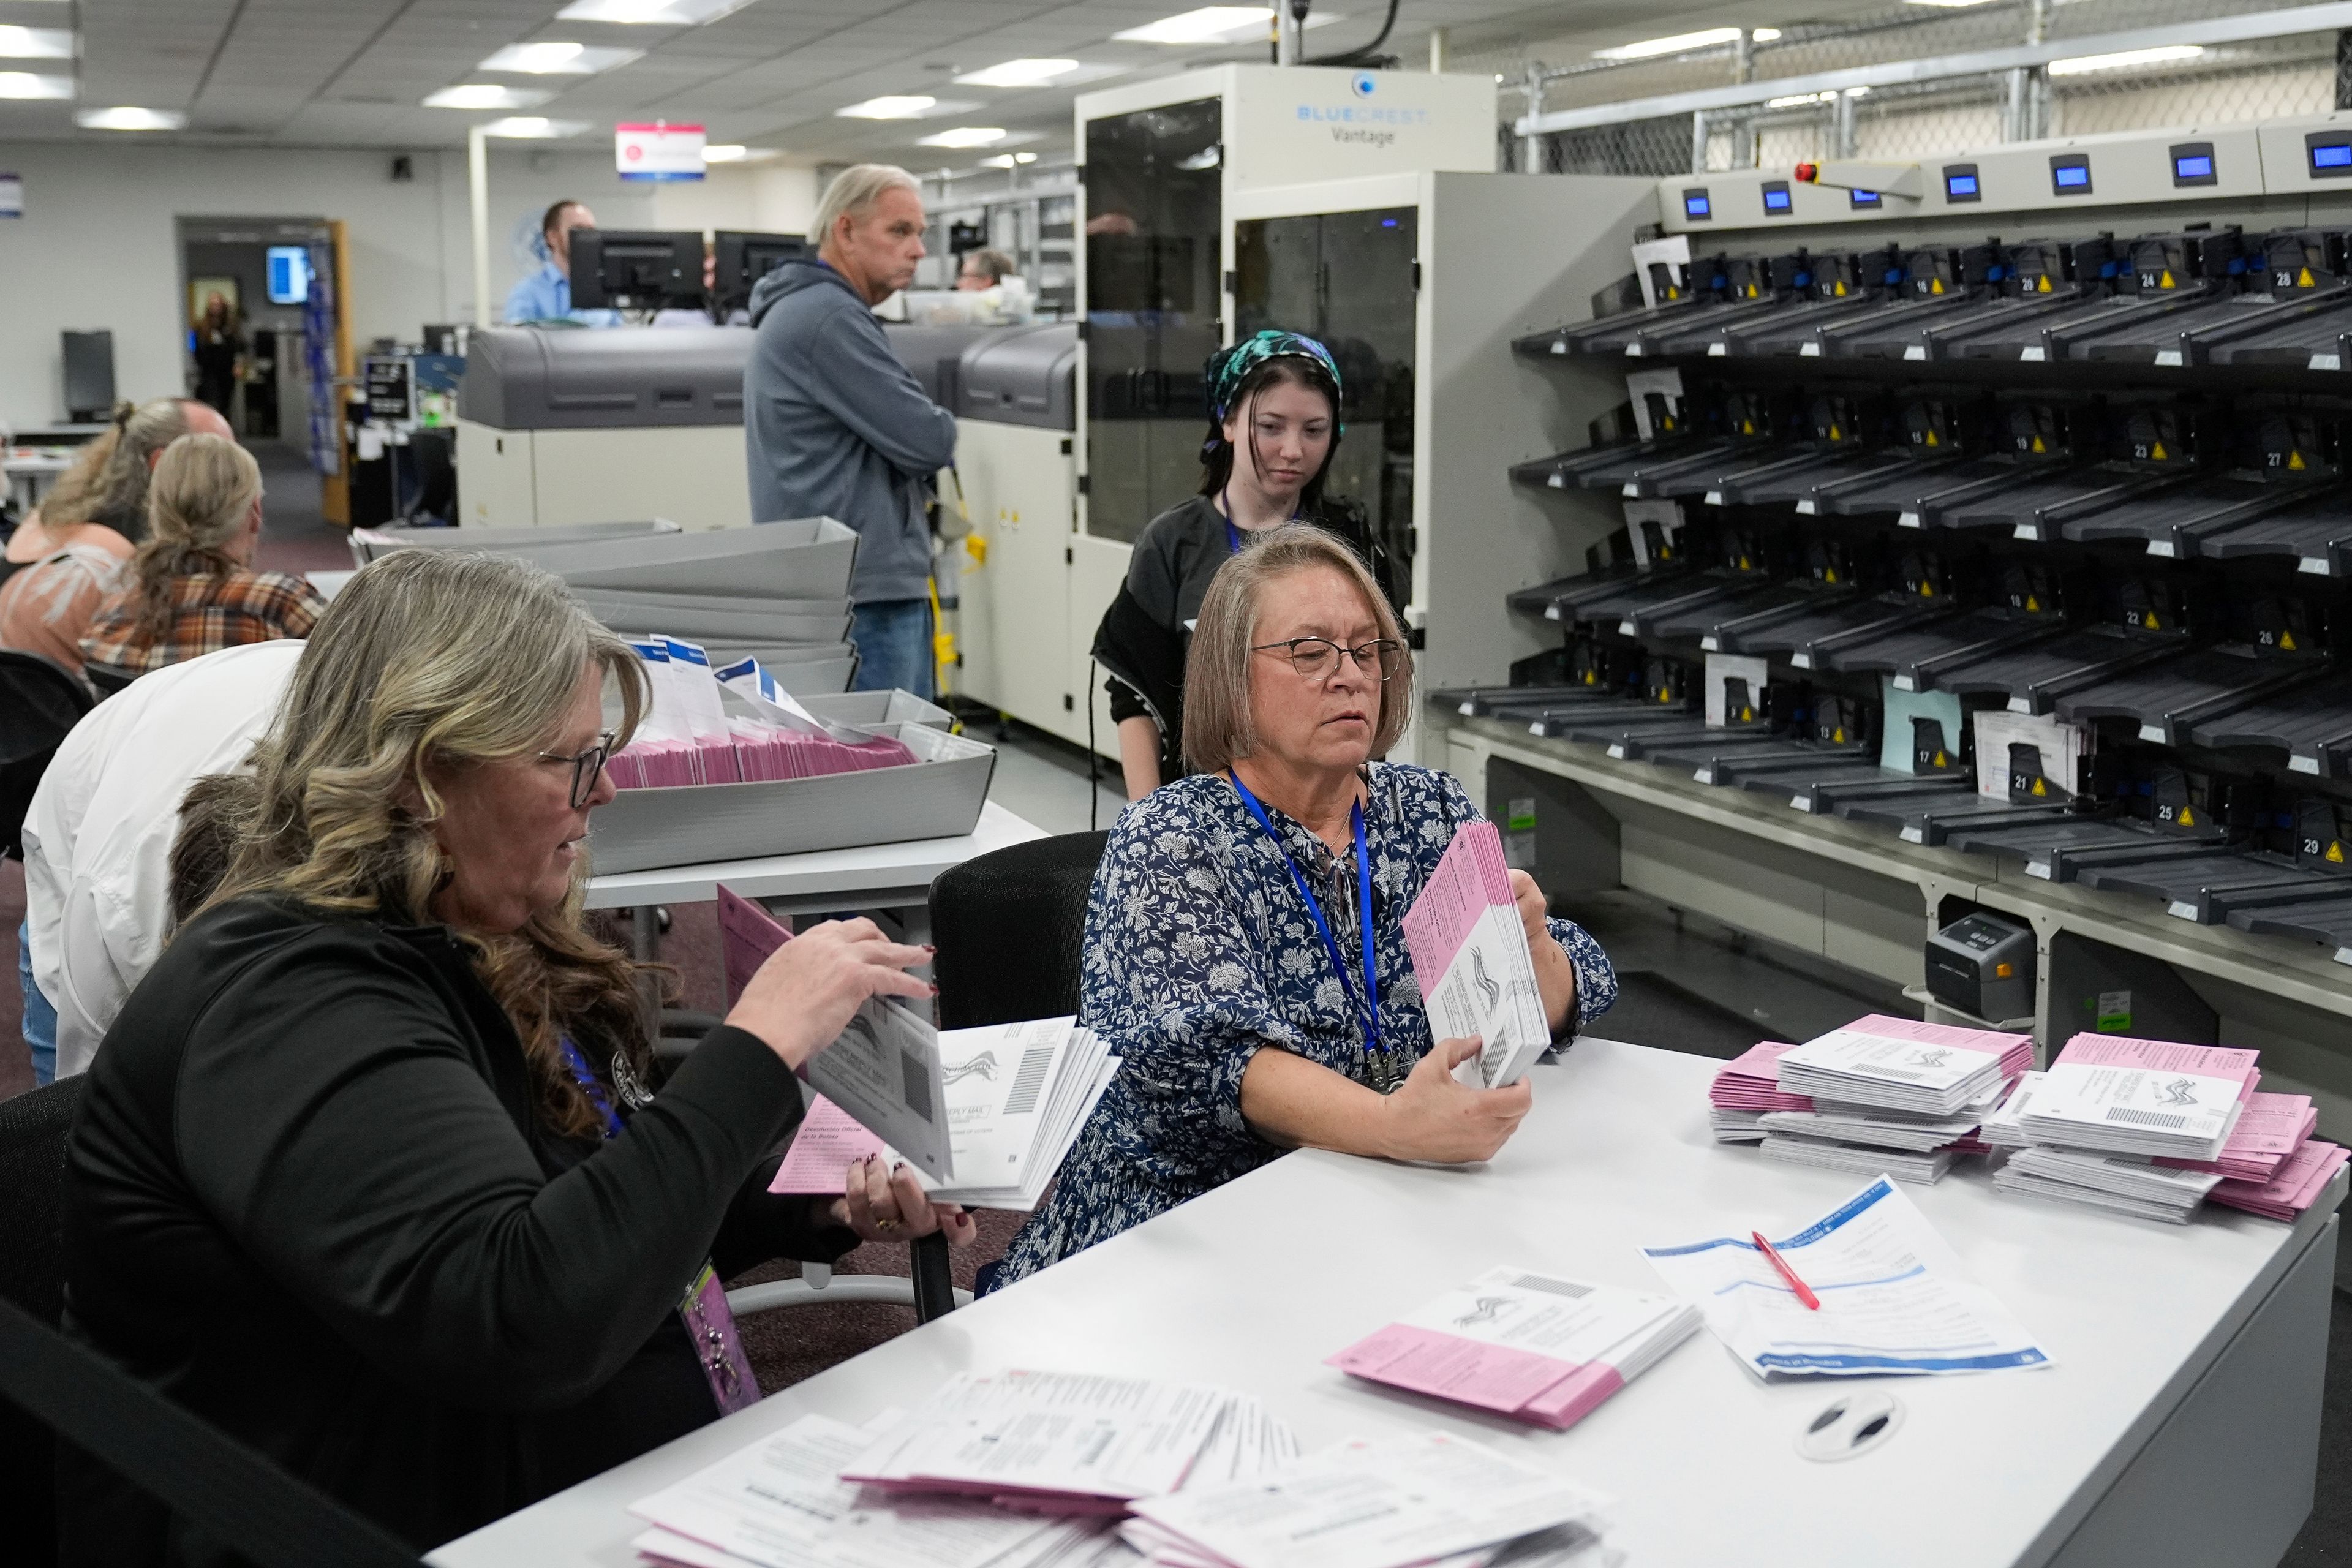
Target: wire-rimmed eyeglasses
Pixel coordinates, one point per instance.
(1318, 658)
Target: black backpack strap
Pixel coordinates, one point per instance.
(204, 1476)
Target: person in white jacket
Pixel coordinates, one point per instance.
(98, 836)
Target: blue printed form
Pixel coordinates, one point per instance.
(1892, 1299)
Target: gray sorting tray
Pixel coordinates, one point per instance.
(938, 796)
(804, 558)
(806, 670)
(367, 543)
(867, 708)
(703, 619)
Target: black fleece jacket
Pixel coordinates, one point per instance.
(307, 1195)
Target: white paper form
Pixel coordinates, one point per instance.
(780, 1503)
(748, 680)
(1061, 1433)
(1374, 1504)
(1470, 958)
(1891, 1297)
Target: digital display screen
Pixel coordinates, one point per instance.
(2071, 176)
(1960, 186)
(1863, 198)
(1775, 200)
(289, 274)
(1696, 204)
(2197, 167)
(2332, 156)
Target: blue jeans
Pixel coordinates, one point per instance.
(40, 1027)
(894, 646)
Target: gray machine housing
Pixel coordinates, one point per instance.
(1983, 964)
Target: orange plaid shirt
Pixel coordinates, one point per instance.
(208, 613)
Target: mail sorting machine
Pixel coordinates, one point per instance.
(2062, 512)
(560, 428)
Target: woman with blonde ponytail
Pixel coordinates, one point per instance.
(190, 589)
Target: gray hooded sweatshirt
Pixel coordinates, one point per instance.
(837, 427)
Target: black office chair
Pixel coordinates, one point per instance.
(40, 702)
(1010, 926)
(107, 679)
(51, 1385)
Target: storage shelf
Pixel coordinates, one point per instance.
(2166, 698)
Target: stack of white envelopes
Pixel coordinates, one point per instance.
(1017, 1097)
(1890, 1094)
(2116, 1095)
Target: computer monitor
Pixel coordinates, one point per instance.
(636, 269)
(744, 257)
(289, 274)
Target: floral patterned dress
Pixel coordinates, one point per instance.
(1198, 951)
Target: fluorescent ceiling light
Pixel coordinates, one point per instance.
(651, 13)
(1766, 35)
(558, 59)
(1802, 99)
(1214, 24)
(2082, 64)
(1953, 5)
(736, 153)
(25, 84)
(37, 43)
(904, 106)
(534, 128)
(1008, 160)
(1018, 73)
(1679, 44)
(129, 118)
(964, 136)
(486, 95)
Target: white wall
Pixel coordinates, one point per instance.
(96, 248)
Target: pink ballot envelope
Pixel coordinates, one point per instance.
(746, 935)
(2236, 1064)
(827, 1142)
(1470, 959)
(1527, 1345)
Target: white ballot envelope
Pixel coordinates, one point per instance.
(1470, 958)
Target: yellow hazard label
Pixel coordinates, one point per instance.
(2157, 453)
(1931, 437)
(2188, 818)
(1835, 433)
(1664, 695)
(2165, 281)
(1941, 760)
(2045, 287)
(2039, 787)
(1743, 563)
(1841, 290)
(2038, 445)
(2335, 852)
(1752, 290)
(1829, 575)
(2151, 623)
(1748, 428)
(1927, 590)
(1837, 736)
(2294, 461)
(1674, 293)
(1746, 714)
(2031, 602)
(1590, 679)
(2286, 642)
(1936, 287)
(2302, 279)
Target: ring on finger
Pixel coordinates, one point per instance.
(885, 1225)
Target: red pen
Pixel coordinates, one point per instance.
(1804, 1292)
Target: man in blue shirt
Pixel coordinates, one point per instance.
(546, 295)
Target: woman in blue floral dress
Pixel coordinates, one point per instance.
(1235, 1000)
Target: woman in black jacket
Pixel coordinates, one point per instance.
(367, 1173)
(1274, 424)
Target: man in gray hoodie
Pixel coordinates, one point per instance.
(837, 427)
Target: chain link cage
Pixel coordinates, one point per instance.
(2261, 78)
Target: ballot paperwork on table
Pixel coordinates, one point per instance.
(1525, 1344)
(1377, 1503)
(1891, 1292)
(1470, 958)
(885, 1068)
(1018, 1095)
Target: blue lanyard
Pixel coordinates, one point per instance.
(1369, 1015)
(1234, 535)
(586, 1078)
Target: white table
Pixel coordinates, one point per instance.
(876, 877)
(2179, 1426)
(31, 469)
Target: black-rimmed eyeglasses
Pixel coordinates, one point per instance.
(587, 766)
(1318, 658)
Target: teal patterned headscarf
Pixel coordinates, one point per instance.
(1228, 367)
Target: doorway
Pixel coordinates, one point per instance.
(243, 284)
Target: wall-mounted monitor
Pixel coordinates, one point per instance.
(1778, 202)
(289, 274)
(1961, 182)
(1696, 205)
(2070, 173)
(2330, 153)
(2193, 164)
